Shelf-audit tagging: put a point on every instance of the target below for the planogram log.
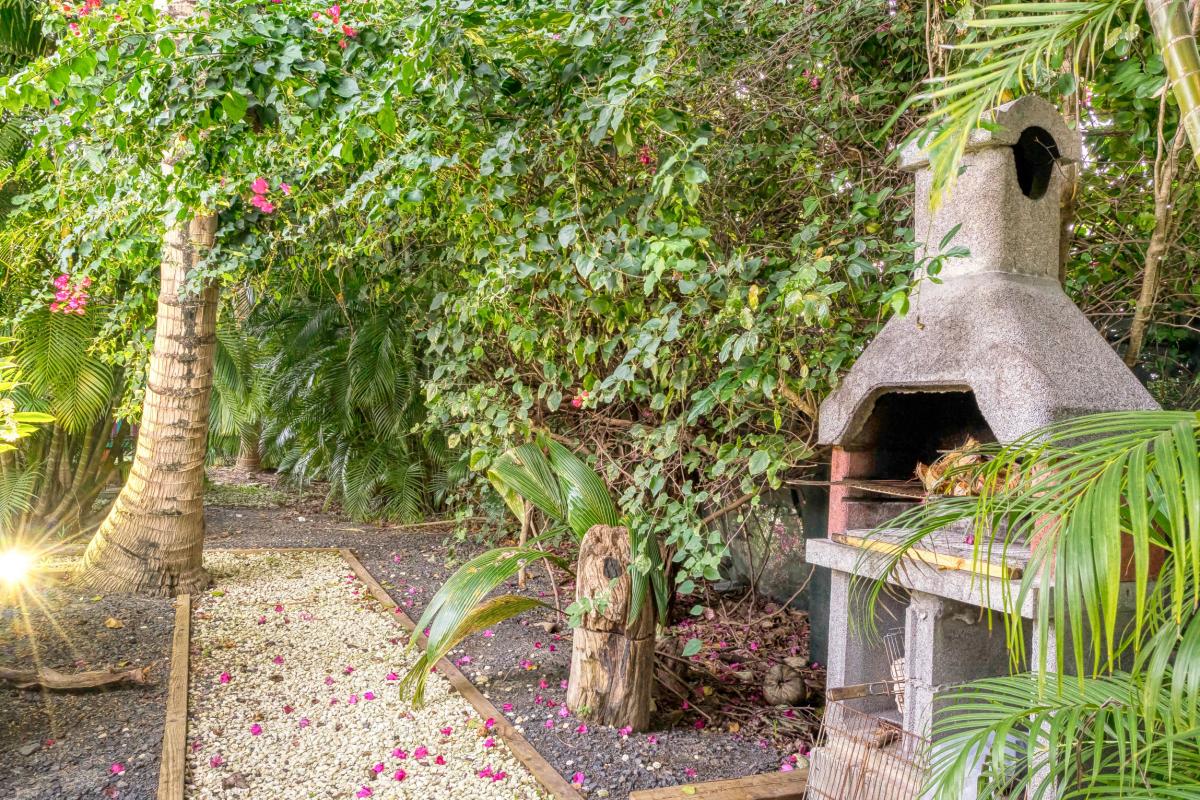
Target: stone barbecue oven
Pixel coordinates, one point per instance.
(992, 351)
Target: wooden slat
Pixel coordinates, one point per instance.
(773, 786)
(933, 558)
(545, 774)
(174, 747)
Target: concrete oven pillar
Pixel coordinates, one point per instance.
(946, 643)
(854, 656)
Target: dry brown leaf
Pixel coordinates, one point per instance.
(113, 622)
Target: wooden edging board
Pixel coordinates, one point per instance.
(174, 746)
(545, 774)
(934, 559)
(772, 786)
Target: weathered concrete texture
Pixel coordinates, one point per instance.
(998, 324)
(1005, 124)
(1029, 355)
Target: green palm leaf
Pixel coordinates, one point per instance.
(455, 611)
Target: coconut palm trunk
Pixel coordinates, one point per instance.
(152, 539)
(1181, 56)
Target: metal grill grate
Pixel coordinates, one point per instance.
(865, 757)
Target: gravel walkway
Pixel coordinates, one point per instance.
(293, 695)
(520, 666)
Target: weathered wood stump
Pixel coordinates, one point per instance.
(612, 662)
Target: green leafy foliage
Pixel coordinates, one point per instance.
(1093, 494)
(342, 403)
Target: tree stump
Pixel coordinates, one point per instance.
(612, 662)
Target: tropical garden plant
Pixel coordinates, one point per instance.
(574, 499)
(1110, 704)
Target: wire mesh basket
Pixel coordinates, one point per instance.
(862, 756)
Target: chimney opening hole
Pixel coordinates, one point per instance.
(1035, 154)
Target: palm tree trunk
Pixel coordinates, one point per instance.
(1177, 42)
(249, 457)
(152, 539)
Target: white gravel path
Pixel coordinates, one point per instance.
(290, 696)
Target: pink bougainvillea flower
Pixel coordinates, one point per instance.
(262, 620)
(117, 769)
(399, 775)
(351, 32)
(255, 729)
(224, 677)
(265, 206)
(562, 685)
(537, 645)
(260, 186)
(348, 670)
(651, 739)
(421, 752)
(549, 723)
(288, 709)
(578, 778)
(74, 28)
(461, 661)
(499, 776)
(581, 729)
(335, 12)
(562, 712)
(626, 730)
(368, 695)
(378, 768)
(699, 724)
(542, 684)
(440, 759)
(489, 633)
(489, 742)
(552, 648)
(754, 645)
(489, 723)
(277, 660)
(506, 708)
(447, 731)
(216, 761)
(352, 699)
(286, 188)
(365, 791)
(786, 767)
(691, 773)
(398, 753)
(391, 676)
(304, 723)
(316, 15)
(396, 559)
(527, 664)
(486, 772)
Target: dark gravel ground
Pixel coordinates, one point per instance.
(63, 745)
(519, 664)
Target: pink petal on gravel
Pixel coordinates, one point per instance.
(368, 695)
(256, 729)
(304, 723)
(506, 708)
(365, 791)
(224, 677)
(578, 778)
(400, 775)
(398, 753)
(117, 769)
(391, 676)
(440, 759)
(216, 761)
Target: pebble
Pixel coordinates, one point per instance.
(322, 623)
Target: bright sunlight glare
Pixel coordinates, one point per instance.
(15, 565)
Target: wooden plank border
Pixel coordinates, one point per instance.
(174, 743)
(771, 786)
(545, 774)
